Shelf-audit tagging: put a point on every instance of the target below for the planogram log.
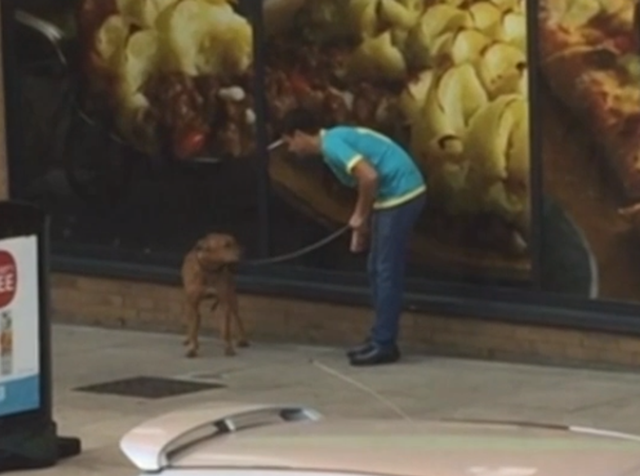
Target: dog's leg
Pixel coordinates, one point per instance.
(189, 317)
(242, 335)
(193, 326)
(225, 323)
(226, 332)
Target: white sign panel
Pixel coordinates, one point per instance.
(19, 326)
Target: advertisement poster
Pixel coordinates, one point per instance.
(590, 60)
(136, 106)
(19, 326)
(138, 123)
(155, 110)
(171, 77)
(448, 81)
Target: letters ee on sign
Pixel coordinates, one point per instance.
(19, 326)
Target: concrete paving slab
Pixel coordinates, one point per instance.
(421, 386)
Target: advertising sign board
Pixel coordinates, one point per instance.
(19, 326)
(28, 433)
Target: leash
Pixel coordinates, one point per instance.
(353, 382)
(301, 252)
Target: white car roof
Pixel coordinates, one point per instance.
(294, 437)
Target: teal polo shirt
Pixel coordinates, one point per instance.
(399, 178)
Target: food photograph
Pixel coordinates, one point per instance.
(146, 123)
(157, 110)
(139, 125)
(448, 81)
(170, 76)
(590, 116)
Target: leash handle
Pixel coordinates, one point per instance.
(301, 252)
(359, 241)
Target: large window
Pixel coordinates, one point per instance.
(450, 84)
(590, 105)
(141, 125)
(135, 139)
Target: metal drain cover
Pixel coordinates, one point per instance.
(149, 387)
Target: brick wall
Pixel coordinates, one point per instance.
(134, 305)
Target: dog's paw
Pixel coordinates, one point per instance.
(191, 354)
(243, 343)
(186, 342)
(229, 352)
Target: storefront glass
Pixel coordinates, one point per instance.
(154, 138)
(590, 105)
(438, 79)
(137, 124)
(136, 142)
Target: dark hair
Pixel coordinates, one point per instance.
(300, 119)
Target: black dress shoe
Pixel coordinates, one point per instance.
(376, 355)
(364, 347)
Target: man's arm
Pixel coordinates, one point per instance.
(367, 179)
(342, 155)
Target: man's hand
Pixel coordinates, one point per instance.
(359, 223)
(359, 242)
(360, 233)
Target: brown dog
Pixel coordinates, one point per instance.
(208, 272)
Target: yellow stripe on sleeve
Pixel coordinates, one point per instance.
(353, 162)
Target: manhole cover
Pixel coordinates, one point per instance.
(149, 387)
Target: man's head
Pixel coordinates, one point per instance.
(301, 132)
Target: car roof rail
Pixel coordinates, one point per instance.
(550, 426)
(606, 433)
(150, 445)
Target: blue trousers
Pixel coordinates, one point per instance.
(391, 231)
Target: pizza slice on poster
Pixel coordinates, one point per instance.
(590, 57)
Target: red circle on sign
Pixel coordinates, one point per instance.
(8, 278)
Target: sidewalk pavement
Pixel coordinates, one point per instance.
(422, 386)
